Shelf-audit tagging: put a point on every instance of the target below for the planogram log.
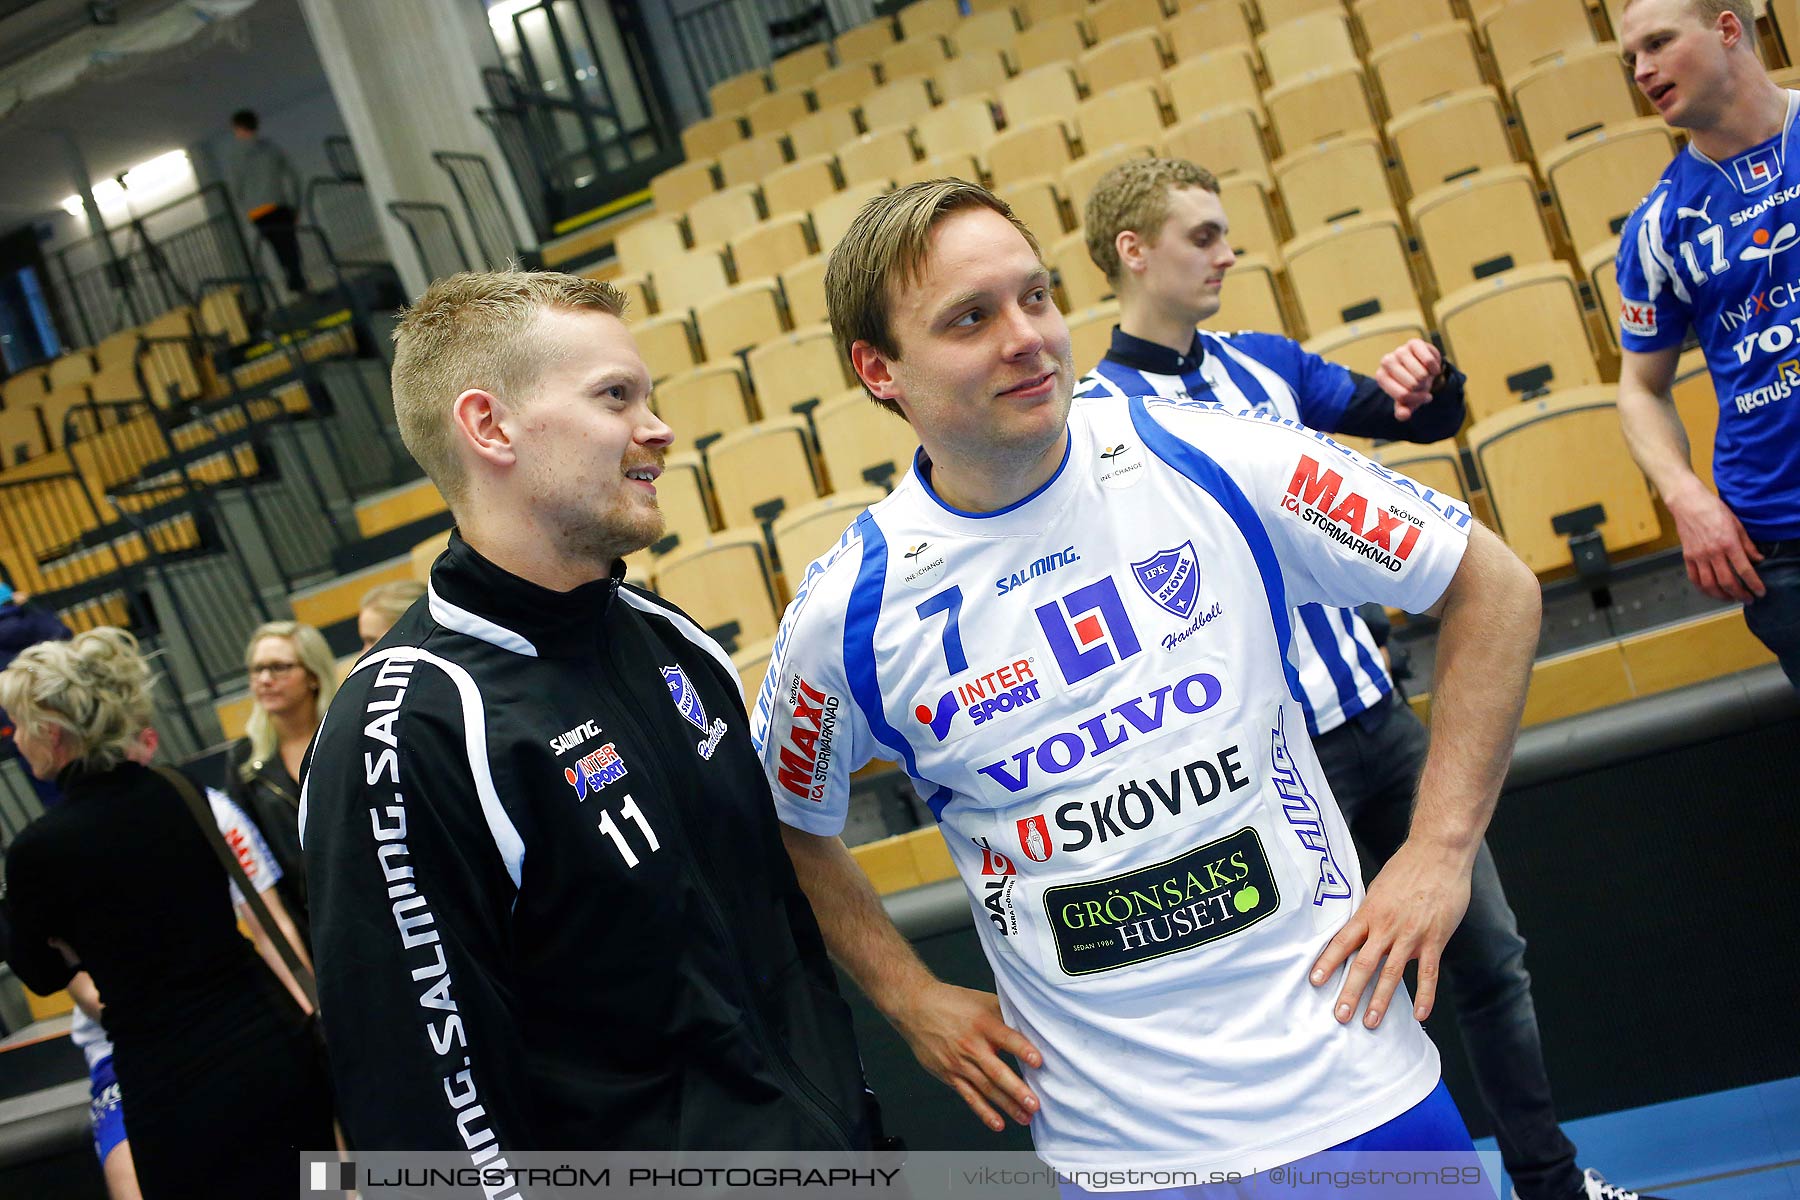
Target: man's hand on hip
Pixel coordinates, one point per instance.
(957, 1034)
(1412, 908)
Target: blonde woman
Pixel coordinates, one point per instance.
(292, 678)
(381, 606)
(221, 1081)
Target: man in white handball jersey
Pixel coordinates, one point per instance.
(1070, 624)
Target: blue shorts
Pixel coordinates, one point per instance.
(1433, 1124)
(105, 1113)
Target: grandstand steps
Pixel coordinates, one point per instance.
(403, 505)
(584, 246)
(331, 606)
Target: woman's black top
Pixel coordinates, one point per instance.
(271, 796)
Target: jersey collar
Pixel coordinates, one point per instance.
(1154, 359)
(471, 595)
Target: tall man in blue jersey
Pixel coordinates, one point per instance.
(1706, 252)
(1114, 747)
(1158, 231)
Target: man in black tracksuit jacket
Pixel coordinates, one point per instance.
(551, 905)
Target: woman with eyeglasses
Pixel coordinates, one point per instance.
(292, 678)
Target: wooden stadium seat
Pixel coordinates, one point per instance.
(1320, 105)
(1599, 266)
(1083, 286)
(748, 161)
(1557, 455)
(1384, 20)
(1524, 33)
(1036, 12)
(1110, 19)
(1090, 335)
(1572, 95)
(1028, 149)
(1080, 177)
(1127, 58)
(1361, 345)
(21, 438)
(1518, 333)
(666, 344)
(752, 665)
(915, 58)
(1038, 203)
(799, 68)
(804, 286)
(899, 102)
(1333, 180)
(773, 246)
(724, 584)
(979, 33)
(864, 41)
(116, 382)
(25, 388)
(1350, 270)
(976, 75)
(55, 408)
(875, 156)
(762, 470)
(1279, 12)
(1128, 113)
(959, 127)
(636, 290)
(221, 315)
(775, 112)
(1437, 465)
(798, 186)
(929, 18)
(821, 133)
(117, 348)
(719, 216)
(808, 532)
(1221, 78)
(942, 166)
(1424, 64)
(1251, 299)
(73, 368)
(1254, 228)
(681, 494)
(797, 369)
(705, 138)
(1598, 179)
(1450, 137)
(1048, 42)
(1481, 225)
(679, 187)
(705, 403)
(684, 280)
(861, 442)
(1317, 41)
(733, 94)
(832, 217)
(641, 246)
(1199, 29)
(735, 320)
(1044, 92)
(1222, 140)
(849, 84)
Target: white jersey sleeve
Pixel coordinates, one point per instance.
(246, 841)
(805, 721)
(1343, 530)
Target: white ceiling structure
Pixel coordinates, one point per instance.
(124, 94)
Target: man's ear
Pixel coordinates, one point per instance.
(875, 369)
(479, 418)
(1129, 246)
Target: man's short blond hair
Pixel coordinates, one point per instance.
(1135, 195)
(885, 249)
(1707, 13)
(475, 330)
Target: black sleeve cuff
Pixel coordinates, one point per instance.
(1370, 412)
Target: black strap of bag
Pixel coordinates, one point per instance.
(203, 815)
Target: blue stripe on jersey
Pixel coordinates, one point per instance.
(1254, 392)
(1211, 478)
(1325, 646)
(1370, 664)
(860, 616)
(1130, 382)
